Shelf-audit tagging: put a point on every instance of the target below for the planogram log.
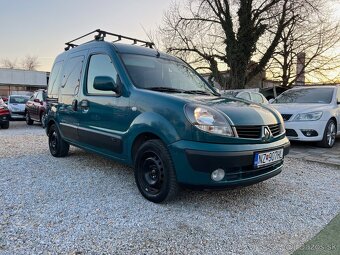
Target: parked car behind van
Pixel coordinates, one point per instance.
(249, 95)
(4, 116)
(311, 113)
(36, 107)
(16, 106)
(152, 111)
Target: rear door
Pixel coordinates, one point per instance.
(68, 96)
(30, 104)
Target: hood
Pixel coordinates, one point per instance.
(241, 112)
(300, 108)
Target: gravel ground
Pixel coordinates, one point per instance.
(86, 204)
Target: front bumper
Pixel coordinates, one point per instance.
(294, 130)
(194, 162)
(17, 115)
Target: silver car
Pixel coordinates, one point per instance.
(16, 106)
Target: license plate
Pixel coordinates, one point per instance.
(267, 158)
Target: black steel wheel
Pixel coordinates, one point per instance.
(58, 147)
(154, 172)
(28, 119)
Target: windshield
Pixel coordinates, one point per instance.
(163, 75)
(306, 96)
(18, 100)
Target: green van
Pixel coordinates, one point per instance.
(152, 111)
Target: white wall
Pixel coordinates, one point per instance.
(22, 77)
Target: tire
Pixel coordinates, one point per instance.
(28, 119)
(42, 119)
(329, 135)
(58, 147)
(5, 126)
(155, 173)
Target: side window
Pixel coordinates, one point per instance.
(33, 96)
(257, 98)
(100, 65)
(244, 95)
(54, 80)
(72, 74)
(338, 95)
(39, 96)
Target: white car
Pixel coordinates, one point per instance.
(311, 113)
(16, 106)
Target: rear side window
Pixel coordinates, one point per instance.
(54, 81)
(100, 65)
(257, 98)
(244, 95)
(72, 74)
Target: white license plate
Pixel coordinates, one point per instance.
(269, 157)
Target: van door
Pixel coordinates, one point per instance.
(104, 115)
(338, 109)
(68, 96)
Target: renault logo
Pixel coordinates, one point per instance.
(266, 135)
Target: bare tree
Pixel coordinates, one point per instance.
(30, 63)
(7, 63)
(312, 34)
(213, 33)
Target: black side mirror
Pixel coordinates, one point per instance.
(106, 83)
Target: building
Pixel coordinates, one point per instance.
(16, 81)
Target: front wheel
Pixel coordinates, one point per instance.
(28, 119)
(58, 147)
(329, 135)
(154, 172)
(5, 125)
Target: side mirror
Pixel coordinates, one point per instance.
(36, 100)
(106, 83)
(271, 100)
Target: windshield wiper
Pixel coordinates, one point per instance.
(166, 89)
(199, 92)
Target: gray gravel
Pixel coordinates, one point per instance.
(86, 204)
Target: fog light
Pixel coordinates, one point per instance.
(309, 132)
(217, 175)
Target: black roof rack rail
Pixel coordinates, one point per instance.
(101, 34)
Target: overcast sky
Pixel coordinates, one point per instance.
(41, 27)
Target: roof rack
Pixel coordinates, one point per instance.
(101, 34)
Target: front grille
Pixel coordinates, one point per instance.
(255, 132)
(291, 132)
(275, 129)
(286, 116)
(249, 131)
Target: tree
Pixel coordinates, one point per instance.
(30, 63)
(215, 32)
(7, 63)
(313, 35)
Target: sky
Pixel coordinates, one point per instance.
(41, 27)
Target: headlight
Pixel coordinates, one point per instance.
(308, 116)
(208, 120)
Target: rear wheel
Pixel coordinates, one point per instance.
(58, 147)
(28, 119)
(154, 172)
(329, 135)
